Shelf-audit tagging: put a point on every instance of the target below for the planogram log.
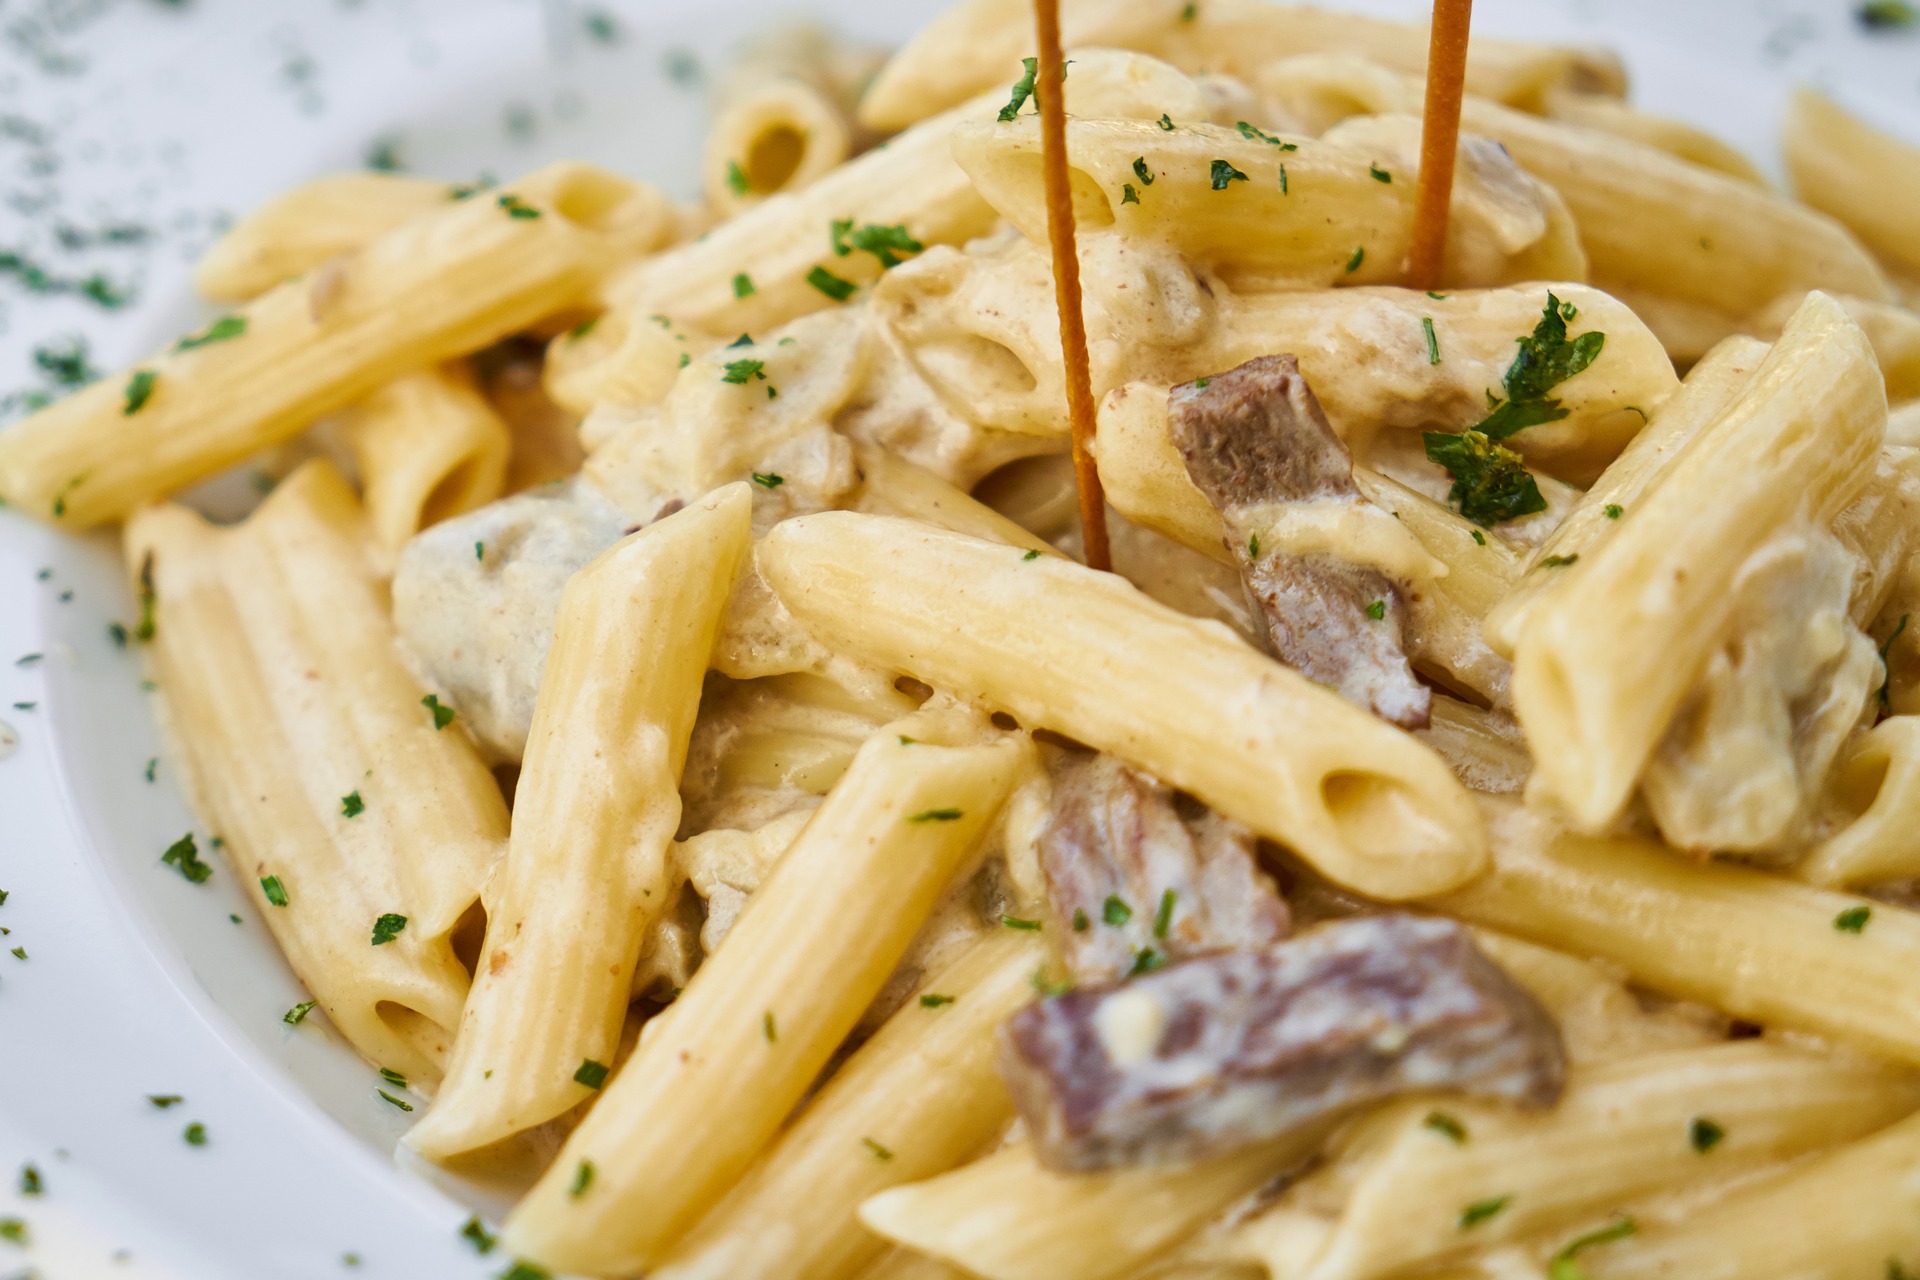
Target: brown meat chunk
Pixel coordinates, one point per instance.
(1223, 1051)
(1118, 844)
(1254, 438)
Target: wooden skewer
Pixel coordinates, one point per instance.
(1439, 139)
(1066, 281)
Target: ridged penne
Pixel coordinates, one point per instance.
(427, 446)
(361, 825)
(1866, 178)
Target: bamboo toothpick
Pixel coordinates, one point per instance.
(1048, 73)
(1439, 139)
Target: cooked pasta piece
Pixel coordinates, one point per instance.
(1063, 647)
(362, 825)
(1876, 783)
(919, 1098)
(1759, 946)
(303, 229)
(1864, 1197)
(1799, 443)
(1894, 332)
(595, 814)
(1609, 114)
(427, 447)
(437, 287)
(1866, 178)
(765, 1012)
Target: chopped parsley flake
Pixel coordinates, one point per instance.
(1359, 256)
(30, 1182)
(1253, 547)
(1490, 482)
(401, 1103)
(1853, 919)
(28, 659)
(1480, 1210)
(1031, 555)
(591, 1074)
(517, 208)
(351, 805)
(1886, 677)
(19, 953)
(768, 479)
(1442, 1123)
(195, 1134)
(1377, 609)
(1189, 11)
(741, 372)
(14, 1231)
(442, 714)
(1613, 511)
(582, 1179)
(475, 1233)
(139, 391)
(184, 855)
(1044, 986)
(221, 330)
(1022, 90)
(1114, 911)
(743, 285)
(1563, 1266)
(1163, 918)
(1146, 960)
(1222, 173)
(1887, 15)
(393, 1077)
(932, 1001)
(1704, 1134)
(153, 763)
(1433, 340)
(1141, 171)
(1128, 195)
(1164, 122)
(1256, 134)
(880, 1153)
(161, 1101)
(1478, 536)
(744, 340)
(887, 243)
(1378, 174)
(1283, 180)
(737, 179)
(275, 891)
(1559, 562)
(582, 329)
(936, 815)
(1079, 920)
(298, 1014)
(1015, 922)
(387, 928)
(767, 1027)
(524, 1270)
(830, 284)
(1546, 359)
(66, 491)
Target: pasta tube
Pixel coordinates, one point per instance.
(1711, 388)
(594, 819)
(919, 1098)
(905, 1264)
(1894, 332)
(784, 257)
(1849, 1213)
(1877, 783)
(439, 286)
(299, 230)
(1007, 1218)
(765, 1012)
(1759, 946)
(782, 136)
(361, 825)
(1621, 1131)
(1867, 179)
(1088, 655)
(1611, 115)
(427, 446)
(1801, 439)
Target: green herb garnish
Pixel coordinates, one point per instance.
(768, 479)
(1377, 609)
(1433, 340)
(1163, 918)
(1222, 173)
(1490, 482)
(830, 284)
(475, 1232)
(139, 391)
(1480, 1210)
(743, 285)
(387, 928)
(220, 330)
(931, 1001)
(740, 372)
(298, 1014)
(184, 856)
(442, 713)
(737, 179)
(1114, 911)
(275, 891)
(1015, 922)
(591, 1074)
(1022, 90)
(936, 815)
(1442, 1123)
(879, 1152)
(1704, 1134)
(1853, 919)
(351, 805)
(582, 1179)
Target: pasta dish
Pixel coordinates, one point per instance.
(664, 713)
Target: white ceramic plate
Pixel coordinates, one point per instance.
(167, 116)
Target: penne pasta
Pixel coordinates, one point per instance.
(437, 287)
(1876, 783)
(766, 1011)
(595, 814)
(1893, 331)
(1609, 114)
(361, 825)
(427, 446)
(1595, 701)
(781, 136)
(1759, 946)
(919, 1098)
(1005, 1217)
(1844, 166)
(1087, 655)
(301, 230)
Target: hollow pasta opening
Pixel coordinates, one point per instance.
(774, 158)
